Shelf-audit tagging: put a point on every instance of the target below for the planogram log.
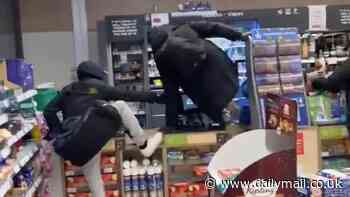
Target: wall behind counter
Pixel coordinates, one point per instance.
(48, 39)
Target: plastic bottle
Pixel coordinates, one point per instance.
(151, 182)
(126, 164)
(159, 181)
(127, 183)
(146, 162)
(135, 182)
(155, 163)
(142, 182)
(134, 164)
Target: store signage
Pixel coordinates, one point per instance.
(338, 17)
(287, 17)
(317, 17)
(159, 19)
(126, 28)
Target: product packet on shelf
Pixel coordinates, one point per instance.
(290, 64)
(289, 47)
(266, 65)
(327, 110)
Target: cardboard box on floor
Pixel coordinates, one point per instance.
(3, 77)
(309, 151)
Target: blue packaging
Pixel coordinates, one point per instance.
(303, 118)
(20, 73)
(127, 180)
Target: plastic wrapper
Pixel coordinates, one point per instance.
(265, 48)
(296, 79)
(264, 89)
(290, 64)
(327, 110)
(303, 116)
(266, 65)
(289, 47)
(293, 89)
(268, 79)
(20, 73)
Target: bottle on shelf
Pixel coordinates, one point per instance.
(151, 182)
(135, 182)
(159, 181)
(142, 182)
(305, 48)
(127, 182)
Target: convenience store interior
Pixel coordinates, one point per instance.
(286, 46)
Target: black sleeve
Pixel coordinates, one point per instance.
(209, 29)
(339, 80)
(50, 114)
(112, 93)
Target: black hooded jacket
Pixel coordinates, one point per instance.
(77, 97)
(185, 59)
(338, 81)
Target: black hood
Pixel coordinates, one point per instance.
(158, 35)
(89, 69)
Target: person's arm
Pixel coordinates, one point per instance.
(50, 114)
(337, 81)
(112, 93)
(209, 29)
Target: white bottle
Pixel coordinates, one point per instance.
(143, 182)
(135, 182)
(146, 162)
(155, 163)
(159, 181)
(151, 182)
(126, 164)
(134, 164)
(127, 183)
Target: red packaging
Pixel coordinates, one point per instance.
(107, 160)
(200, 170)
(109, 178)
(76, 182)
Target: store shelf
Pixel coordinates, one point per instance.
(180, 179)
(26, 95)
(34, 187)
(326, 155)
(330, 60)
(133, 52)
(73, 173)
(6, 186)
(4, 118)
(24, 157)
(108, 186)
(186, 162)
(6, 151)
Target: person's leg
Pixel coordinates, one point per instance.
(130, 122)
(92, 173)
(147, 145)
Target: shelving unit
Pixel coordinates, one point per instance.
(24, 156)
(174, 142)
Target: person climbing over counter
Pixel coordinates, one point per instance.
(93, 113)
(206, 74)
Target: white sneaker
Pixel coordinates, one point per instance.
(152, 144)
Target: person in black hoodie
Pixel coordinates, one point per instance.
(339, 80)
(93, 112)
(186, 59)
